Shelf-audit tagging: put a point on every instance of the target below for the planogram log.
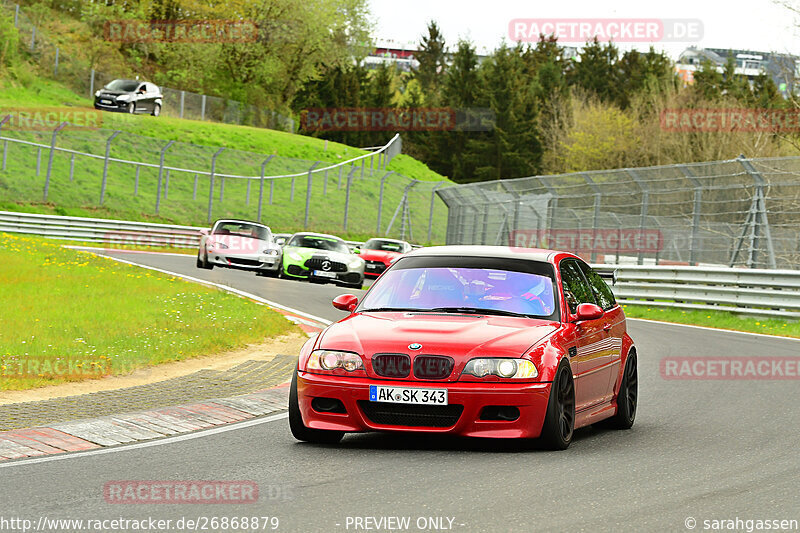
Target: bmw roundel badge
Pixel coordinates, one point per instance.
(415, 346)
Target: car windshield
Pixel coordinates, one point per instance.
(319, 243)
(243, 229)
(494, 288)
(122, 85)
(382, 245)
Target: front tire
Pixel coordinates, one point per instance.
(299, 429)
(628, 396)
(131, 108)
(156, 110)
(559, 422)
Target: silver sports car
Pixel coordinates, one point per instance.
(239, 244)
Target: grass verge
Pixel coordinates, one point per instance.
(717, 319)
(71, 316)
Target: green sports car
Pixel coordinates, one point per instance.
(322, 259)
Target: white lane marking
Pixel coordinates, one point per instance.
(718, 330)
(238, 292)
(148, 444)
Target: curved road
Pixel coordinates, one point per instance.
(700, 450)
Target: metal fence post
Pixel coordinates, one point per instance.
(55, 68)
(50, 159)
(91, 84)
(183, 95)
(136, 181)
(105, 167)
(5, 143)
(308, 192)
(247, 194)
(596, 216)
(757, 217)
(380, 201)
(291, 193)
(33, 38)
(261, 187)
(203, 107)
(71, 167)
(645, 203)
(698, 202)
(38, 160)
(362, 167)
(16, 15)
(211, 184)
(160, 173)
(347, 196)
(194, 189)
(430, 215)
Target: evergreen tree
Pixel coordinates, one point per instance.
(432, 57)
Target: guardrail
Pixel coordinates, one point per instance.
(109, 231)
(758, 292)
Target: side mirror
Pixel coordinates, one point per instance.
(589, 312)
(345, 302)
(204, 232)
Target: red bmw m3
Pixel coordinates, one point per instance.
(478, 341)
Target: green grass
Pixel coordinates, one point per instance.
(70, 316)
(717, 319)
(21, 188)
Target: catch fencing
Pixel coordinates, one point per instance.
(346, 191)
(736, 213)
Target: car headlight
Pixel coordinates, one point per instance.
(97, 93)
(124, 97)
(332, 360)
(356, 263)
(271, 251)
(295, 256)
(220, 245)
(504, 368)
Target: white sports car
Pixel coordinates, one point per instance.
(239, 244)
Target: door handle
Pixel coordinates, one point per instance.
(606, 327)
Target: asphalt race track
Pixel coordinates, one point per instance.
(699, 450)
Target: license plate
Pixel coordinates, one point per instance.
(378, 393)
(324, 274)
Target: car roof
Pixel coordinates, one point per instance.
(311, 234)
(387, 240)
(533, 254)
(239, 220)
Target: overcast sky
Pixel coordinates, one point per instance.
(761, 25)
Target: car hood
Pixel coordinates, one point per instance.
(379, 255)
(308, 253)
(106, 92)
(242, 245)
(461, 337)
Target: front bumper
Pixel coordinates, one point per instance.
(269, 263)
(121, 107)
(530, 398)
(351, 277)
